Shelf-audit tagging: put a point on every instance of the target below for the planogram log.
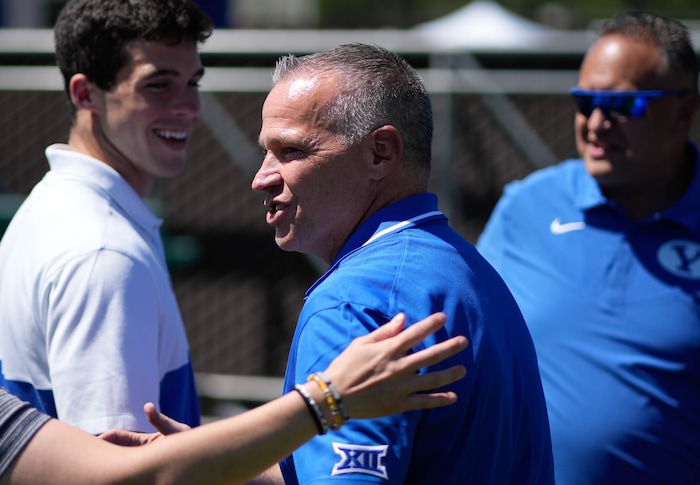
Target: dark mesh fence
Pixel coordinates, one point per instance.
(239, 294)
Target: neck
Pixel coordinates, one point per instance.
(654, 196)
(85, 139)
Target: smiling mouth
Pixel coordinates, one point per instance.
(275, 207)
(172, 135)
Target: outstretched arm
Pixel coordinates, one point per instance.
(374, 377)
(164, 424)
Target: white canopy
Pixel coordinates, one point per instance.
(482, 24)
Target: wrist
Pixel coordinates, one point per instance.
(313, 399)
(333, 400)
(323, 402)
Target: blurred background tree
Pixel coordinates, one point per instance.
(572, 14)
(371, 14)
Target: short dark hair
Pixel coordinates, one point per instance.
(378, 88)
(91, 35)
(669, 36)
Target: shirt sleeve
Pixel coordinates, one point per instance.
(19, 422)
(363, 451)
(102, 340)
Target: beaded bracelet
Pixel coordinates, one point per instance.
(335, 402)
(337, 421)
(341, 405)
(316, 414)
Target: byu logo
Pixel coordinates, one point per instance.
(681, 258)
(360, 459)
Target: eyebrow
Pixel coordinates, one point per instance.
(173, 72)
(287, 140)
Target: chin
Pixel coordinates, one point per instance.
(598, 167)
(176, 169)
(604, 178)
(283, 242)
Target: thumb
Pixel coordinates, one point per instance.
(161, 422)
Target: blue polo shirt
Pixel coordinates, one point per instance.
(406, 258)
(613, 307)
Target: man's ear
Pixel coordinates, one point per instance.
(387, 147)
(688, 111)
(81, 92)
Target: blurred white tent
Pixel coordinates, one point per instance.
(482, 24)
(485, 25)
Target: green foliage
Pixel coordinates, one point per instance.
(407, 13)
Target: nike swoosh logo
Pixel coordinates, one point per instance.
(558, 228)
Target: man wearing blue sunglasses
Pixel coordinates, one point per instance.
(602, 254)
(619, 104)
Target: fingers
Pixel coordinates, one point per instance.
(428, 401)
(161, 422)
(403, 392)
(117, 437)
(125, 438)
(410, 336)
(390, 329)
(377, 376)
(433, 380)
(438, 379)
(404, 340)
(436, 353)
(417, 332)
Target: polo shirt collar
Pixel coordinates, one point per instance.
(103, 178)
(685, 211)
(396, 217)
(391, 217)
(587, 194)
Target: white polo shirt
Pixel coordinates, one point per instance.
(89, 323)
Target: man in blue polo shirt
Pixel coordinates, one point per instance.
(603, 256)
(347, 139)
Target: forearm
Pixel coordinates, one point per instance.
(234, 450)
(375, 377)
(271, 476)
(229, 451)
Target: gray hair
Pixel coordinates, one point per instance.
(377, 88)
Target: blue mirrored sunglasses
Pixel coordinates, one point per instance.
(628, 104)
